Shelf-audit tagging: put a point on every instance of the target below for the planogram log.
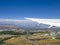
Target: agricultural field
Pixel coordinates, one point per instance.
(18, 41)
(36, 38)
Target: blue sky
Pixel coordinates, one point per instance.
(18, 9)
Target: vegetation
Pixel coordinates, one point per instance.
(19, 38)
(18, 41)
(57, 36)
(13, 33)
(40, 32)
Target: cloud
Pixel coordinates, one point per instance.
(12, 20)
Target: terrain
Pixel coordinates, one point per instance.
(28, 32)
(21, 37)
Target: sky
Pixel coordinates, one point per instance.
(18, 9)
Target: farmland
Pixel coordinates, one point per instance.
(31, 38)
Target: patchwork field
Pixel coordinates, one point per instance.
(18, 38)
(18, 41)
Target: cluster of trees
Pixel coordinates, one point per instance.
(12, 33)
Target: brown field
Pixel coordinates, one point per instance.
(18, 41)
(22, 41)
(49, 41)
(34, 39)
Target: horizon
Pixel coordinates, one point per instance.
(27, 19)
